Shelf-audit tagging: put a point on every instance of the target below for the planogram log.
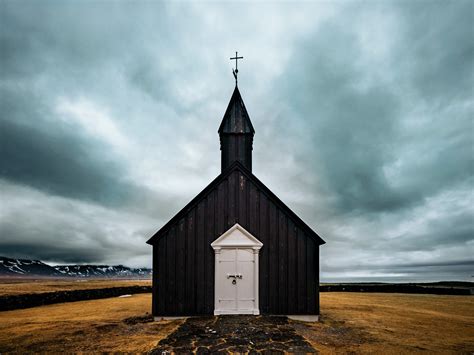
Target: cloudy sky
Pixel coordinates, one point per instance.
(362, 110)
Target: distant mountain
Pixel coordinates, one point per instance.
(25, 267)
(18, 267)
(101, 271)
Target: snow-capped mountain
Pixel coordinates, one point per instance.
(24, 267)
(101, 271)
(20, 267)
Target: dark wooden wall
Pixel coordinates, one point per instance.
(236, 147)
(183, 260)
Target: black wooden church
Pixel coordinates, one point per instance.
(236, 248)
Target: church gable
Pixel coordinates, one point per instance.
(236, 196)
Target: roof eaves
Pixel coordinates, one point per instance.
(282, 204)
(191, 203)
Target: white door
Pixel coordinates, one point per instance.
(236, 281)
(236, 272)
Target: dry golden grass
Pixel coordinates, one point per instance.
(382, 323)
(17, 286)
(350, 323)
(86, 326)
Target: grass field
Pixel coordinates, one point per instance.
(350, 322)
(86, 326)
(382, 323)
(18, 286)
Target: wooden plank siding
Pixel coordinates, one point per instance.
(264, 263)
(161, 278)
(236, 147)
(155, 283)
(181, 265)
(183, 260)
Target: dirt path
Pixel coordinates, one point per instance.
(234, 334)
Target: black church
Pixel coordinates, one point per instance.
(236, 248)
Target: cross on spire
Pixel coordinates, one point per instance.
(236, 71)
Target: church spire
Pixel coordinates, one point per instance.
(236, 133)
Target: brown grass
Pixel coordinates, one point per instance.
(17, 286)
(83, 326)
(350, 323)
(392, 324)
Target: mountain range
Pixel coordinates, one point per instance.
(24, 267)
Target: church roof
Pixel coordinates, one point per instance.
(236, 119)
(224, 175)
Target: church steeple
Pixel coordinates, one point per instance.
(236, 133)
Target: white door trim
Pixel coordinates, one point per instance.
(231, 240)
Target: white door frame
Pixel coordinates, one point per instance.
(231, 240)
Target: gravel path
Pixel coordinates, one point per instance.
(234, 334)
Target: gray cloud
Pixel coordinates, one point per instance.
(57, 160)
(437, 53)
(361, 129)
(109, 115)
(37, 224)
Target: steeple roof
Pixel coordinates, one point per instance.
(236, 119)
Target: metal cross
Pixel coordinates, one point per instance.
(236, 71)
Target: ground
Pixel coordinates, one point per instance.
(350, 322)
(392, 323)
(235, 334)
(105, 325)
(18, 286)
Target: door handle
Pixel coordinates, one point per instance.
(234, 276)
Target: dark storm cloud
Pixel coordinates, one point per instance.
(386, 101)
(59, 160)
(438, 49)
(44, 251)
(358, 124)
(54, 57)
(66, 244)
(65, 164)
(444, 263)
(449, 270)
(58, 239)
(36, 149)
(363, 117)
(351, 128)
(55, 159)
(62, 34)
(60, 53)
(452, 267)
(52, 228)
(440, 233)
